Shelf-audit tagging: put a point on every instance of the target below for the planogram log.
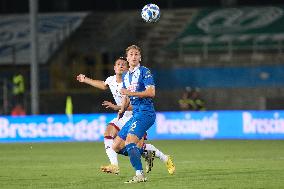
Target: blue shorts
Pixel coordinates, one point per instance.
(137, 125)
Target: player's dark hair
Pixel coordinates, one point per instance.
(121, 58)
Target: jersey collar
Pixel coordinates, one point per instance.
(134, 69)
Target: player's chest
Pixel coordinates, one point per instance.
(115, 88)
(133, 81)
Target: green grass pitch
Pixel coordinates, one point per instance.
(199, 164)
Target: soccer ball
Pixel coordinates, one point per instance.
(150, 13)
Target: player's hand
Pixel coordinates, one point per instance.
(108, 105)
(81, 77)
(125, 92)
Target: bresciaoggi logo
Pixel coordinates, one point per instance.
(274, 125)
(82, 130)
(206, 127)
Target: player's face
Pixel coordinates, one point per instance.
(120, 66)
(133, 57)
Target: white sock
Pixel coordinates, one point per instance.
(112, 155)
(158, 153)
(139, 172)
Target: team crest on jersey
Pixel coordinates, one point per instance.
(132, 87)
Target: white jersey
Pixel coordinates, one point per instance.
(115, 88)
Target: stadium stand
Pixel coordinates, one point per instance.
(183, 39)
(172, 22)
(228, 51)
(230, 35)
(53, 30)
(229, 39)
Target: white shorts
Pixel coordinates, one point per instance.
(118, 124)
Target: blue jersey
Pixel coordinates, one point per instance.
(137, 81)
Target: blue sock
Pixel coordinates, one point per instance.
(134, 156)
(123, 151)
(141, 150)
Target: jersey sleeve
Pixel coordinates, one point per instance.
(108, 80)
(148, 79)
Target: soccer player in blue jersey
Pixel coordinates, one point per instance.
(139, 90)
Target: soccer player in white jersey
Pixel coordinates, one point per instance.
(114, 83)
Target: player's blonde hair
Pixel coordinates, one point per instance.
(133, 47)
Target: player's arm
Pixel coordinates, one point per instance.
(149, 92)
(95, 83)
(110, 105)
(125, 103)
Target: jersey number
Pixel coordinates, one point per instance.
(133, 126)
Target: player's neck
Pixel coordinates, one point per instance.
(118, 78)
(132, 68)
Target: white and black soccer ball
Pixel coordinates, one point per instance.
(150, 13)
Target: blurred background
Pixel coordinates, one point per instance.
(205, 54)
(219, 72)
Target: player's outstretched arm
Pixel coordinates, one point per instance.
(95, 83)
(149, 92)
